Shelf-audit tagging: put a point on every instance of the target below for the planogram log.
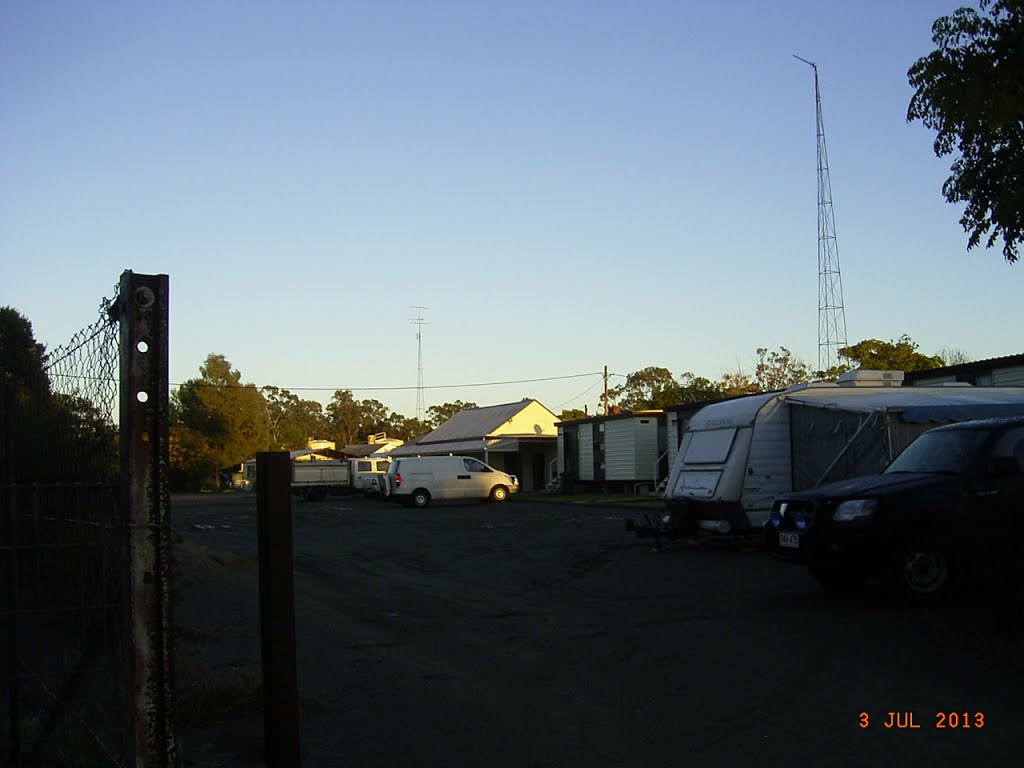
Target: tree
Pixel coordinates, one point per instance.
(439, 414)
(293, 421)
(405, 428)
(571, 414)
(953, 356)
(375, 418)
(47, 436)
(221, 415)
(21, 357)
(652, 387)
(697, 389)
(778, 370)
(344, 417)
(737, 383)
(899, 355)
(970, 90)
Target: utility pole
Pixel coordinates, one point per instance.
(831, 315)
(606, 390)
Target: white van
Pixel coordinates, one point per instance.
(417, 480)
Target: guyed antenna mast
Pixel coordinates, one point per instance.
(419, 322)
(831, 315)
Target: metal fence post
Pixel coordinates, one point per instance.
(277, 609)
(144, 427)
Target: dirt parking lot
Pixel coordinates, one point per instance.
(542, 634)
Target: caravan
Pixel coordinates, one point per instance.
(737, 455)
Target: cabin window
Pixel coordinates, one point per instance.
(365, 466)
(711, 447)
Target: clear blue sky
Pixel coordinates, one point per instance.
(564, 184)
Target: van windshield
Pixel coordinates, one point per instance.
(952, 451)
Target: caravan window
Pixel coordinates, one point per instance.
(710, 447)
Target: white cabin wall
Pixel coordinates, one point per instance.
(619, 451)
(645, 440)
(1008, 377)
(586, 453)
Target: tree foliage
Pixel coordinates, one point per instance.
(899, 355)
(48, 436)
(652, 387)
(352, 421)
(21, 356)
(405, 427)
(572, 414)
(970, 90)
(778, 370)
(737, 383)
(293, 421)
(439, 414)
(221, 420)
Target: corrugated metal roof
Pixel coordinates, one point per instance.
(475, 422)
(473, 445)
(974, 367)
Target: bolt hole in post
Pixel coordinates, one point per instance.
(143, 347)
(142, 397)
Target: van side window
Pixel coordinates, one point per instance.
(365, 466)
(472, 465)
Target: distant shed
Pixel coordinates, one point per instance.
(1005, 371)
(616, 452)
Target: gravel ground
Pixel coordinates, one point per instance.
(542, 634)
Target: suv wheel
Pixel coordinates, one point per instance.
(922, 570)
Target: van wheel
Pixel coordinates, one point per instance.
(419, 498)
(499, 493)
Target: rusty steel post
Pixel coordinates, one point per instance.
(144, 427)
(277, 609)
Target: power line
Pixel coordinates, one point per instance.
(406, 389)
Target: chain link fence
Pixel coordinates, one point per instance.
(63, 556)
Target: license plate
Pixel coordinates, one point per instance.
(790, 540)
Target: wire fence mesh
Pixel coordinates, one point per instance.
(62, 557)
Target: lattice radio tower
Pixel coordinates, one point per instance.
(831, 316)
(419, 322)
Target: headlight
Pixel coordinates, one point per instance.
(855, 511)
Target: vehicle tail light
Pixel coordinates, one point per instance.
(398, 479)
